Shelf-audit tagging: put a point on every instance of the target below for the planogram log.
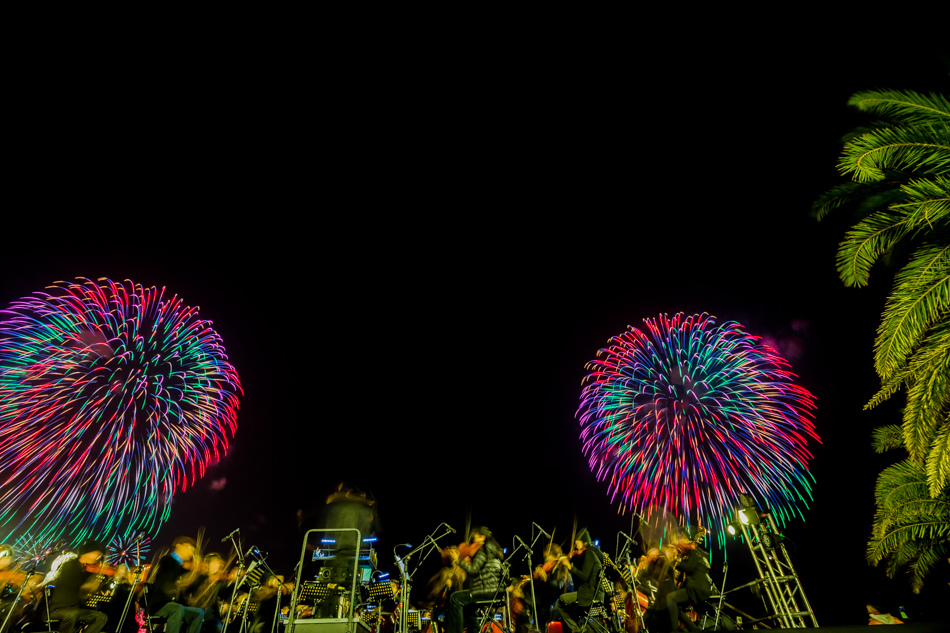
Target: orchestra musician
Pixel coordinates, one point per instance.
(585, 566)
(551, 579)
(448, 579)
(483, 581)
(10, 576)
(122, 584)
(696, 586)
(72, 583)
(273, 591)
(170, 577)
(205, 592)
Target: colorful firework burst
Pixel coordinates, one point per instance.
(128, 551)
(684, 415)
(33, 551)
(112, 397)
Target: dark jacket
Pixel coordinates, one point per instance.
(67, 584)
(165, 583)
(586, 575)
(695, 567)
(484, 574)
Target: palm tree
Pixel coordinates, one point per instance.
(900, 183)
(911, 528)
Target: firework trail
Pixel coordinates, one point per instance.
(112, 397)
(684, 415)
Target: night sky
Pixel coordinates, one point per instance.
(409, 267)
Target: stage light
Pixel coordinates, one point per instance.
(749, 513)
(731, 528)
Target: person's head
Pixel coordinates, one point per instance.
(684, 545)
(185, 547)
(214, 564)
(480, 534)
(6, 557)
(582, 541)
(90, 553)
(124, 572)
(449, 554)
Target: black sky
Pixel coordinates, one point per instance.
(411, 260)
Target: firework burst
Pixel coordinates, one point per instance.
(684, 415)
(112, 397)
(128, 551)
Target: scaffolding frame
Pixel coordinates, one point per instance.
(777, 574)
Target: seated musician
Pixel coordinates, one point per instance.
(483, 581)
(170, 577)
(207, 591)
(585, 565)
(270, 596)
(696, 585)
(72, 584)
(10, 575)
(551, 579)
(122, 584)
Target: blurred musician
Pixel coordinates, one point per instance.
(585, 566)
(10, 576)
(656, 570)
(121, 585)
(696, 586)
(170, 577)
(206, 592)
(71, 584)
(274, 591)
(484, 580)
(551, 579)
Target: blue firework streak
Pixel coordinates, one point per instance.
(684, 415)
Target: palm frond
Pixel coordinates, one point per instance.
(840, 195)
(931, 357)
(921, 150)
(927, 559)
(919, 427)
(867, 197)
(884, 438)
(905, 106)
(888, 388)
(910, 528)
(926, 203)
(938, 462)
(927, 377)
(920, 298)
(864, 244)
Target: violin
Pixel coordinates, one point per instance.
(468, 550)
(100, 569)
(517, 603)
